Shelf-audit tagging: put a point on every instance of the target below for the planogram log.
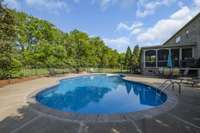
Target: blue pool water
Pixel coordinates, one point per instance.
(100, 94)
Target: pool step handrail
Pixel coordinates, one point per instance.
(166, 87)
(167, 83)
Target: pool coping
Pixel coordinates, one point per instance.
(169, 104)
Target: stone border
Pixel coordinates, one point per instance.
(118, 117)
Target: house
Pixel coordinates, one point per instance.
(184, 47)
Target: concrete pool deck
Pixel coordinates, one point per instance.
(17, 115)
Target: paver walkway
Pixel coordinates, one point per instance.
(16, 116)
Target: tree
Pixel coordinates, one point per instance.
(128, 58)
(29, 42)
(136, 58)
(121, 61)
(8, 61)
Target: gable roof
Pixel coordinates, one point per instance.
(193, 19)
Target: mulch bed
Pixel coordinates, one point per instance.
(17, 80)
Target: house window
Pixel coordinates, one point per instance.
(187, 58)
(178, 39)
(187, 33)
(150, 58)
(162, 57)
(187, 53)
(175, 59)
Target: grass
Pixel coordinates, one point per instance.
(38, 72)
(45, 72)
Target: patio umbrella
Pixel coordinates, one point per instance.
(169, 60)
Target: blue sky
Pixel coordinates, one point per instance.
(120, 23)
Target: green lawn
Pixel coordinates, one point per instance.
(45, 72)
(38, 72)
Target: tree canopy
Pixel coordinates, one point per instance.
(29, 42)
(132, 59)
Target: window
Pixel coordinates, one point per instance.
(162, 57)
(150, 58)
(187, 53)
(175, 59)
(178, 39)
(187, 33)
(187, 58)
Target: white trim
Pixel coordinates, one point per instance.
(180, 56)
(156, 58)
(193, 52)
(144, 58)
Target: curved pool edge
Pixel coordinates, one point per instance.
(169, 104)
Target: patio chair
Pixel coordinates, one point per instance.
(184, 77)
(189, 80)
(194, 81)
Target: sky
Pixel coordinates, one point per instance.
(120, 23)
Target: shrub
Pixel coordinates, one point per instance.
(9, 66)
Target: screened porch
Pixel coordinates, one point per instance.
(181, 57)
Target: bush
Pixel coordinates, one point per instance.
(9, 67)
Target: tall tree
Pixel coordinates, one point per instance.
(121, 61)
(136, 58)
(8, 62)
(128, 58)
(36, 43)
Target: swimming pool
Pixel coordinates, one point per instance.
(100, 94)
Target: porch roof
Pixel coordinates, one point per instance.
(170, 46)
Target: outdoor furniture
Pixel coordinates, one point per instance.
(185, 77)
(170, 83)
(194, 81)
(189, 80)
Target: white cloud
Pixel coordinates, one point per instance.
(146, 7)
(123, 26)
(165, 28)
(49, 5)
(119, 44)
(136, 31)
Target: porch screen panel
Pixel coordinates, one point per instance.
(186, 53)
(150, 58)
(175, 57)
(187, 58)
(162, 57)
